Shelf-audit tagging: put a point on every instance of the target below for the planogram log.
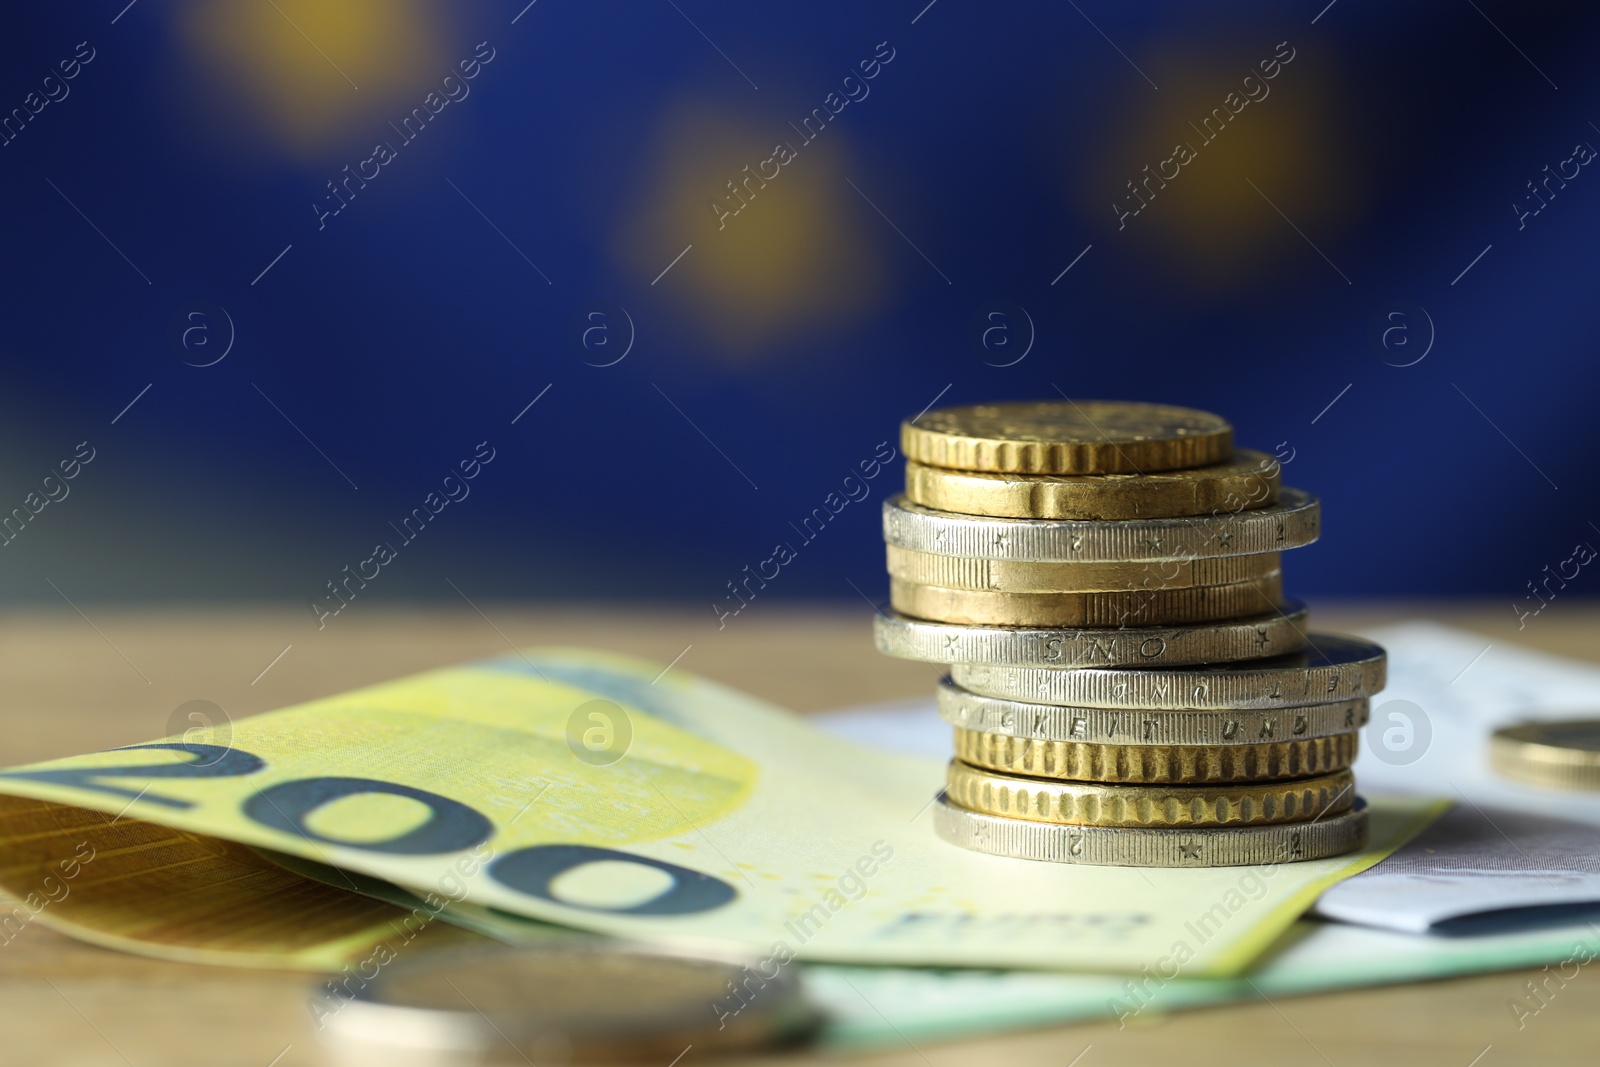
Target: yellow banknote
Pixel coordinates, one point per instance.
(594, 792)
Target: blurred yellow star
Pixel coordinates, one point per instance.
(778, 247)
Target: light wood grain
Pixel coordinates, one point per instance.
(70, 684)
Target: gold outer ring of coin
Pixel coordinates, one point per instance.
(1067, 437)
(1248, 480)
(1332, 667)
(1080, 761)
(1557, 754)
(1108, 846)
(1270, 634)
(987, 575)
(1131, 726)
(1095, 804)
(1141, 607)
(1292, 522)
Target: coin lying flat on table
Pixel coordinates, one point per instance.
(1330, 668)
(1218, 642)
(1139, 607)
(583, 999)
(1020, 576)
(1081, 761)
(1295, 520)
(1099, 804)
(1124, 727)
(1067, 437)
(1108, 846)
(1563, 755)
(1248, 480)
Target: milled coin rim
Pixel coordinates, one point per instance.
(1146, 726)
(1189, 605)
(1251, 637)
(1104, 846)
(1191, 491)
(1293, 522)
(1177, 765)
(982, 574)
(1208, 806)
(1198, 687)
(1178, 446)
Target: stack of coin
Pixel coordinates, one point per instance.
(1128, 683)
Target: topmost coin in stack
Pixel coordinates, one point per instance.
(1128, 683)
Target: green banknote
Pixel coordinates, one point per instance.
(597, 793)
(867, 1007)
(876, 1006)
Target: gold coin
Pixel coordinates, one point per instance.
(978, 653)
(1096, 804)
(1067, 437)
(1020, 576)
(1138, 607)
(1249, 480)
(1563, 755)
(1157, 764)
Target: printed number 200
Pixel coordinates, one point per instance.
(451, 827)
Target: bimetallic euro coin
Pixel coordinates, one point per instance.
(1021, 576)
(1067, 437)
(1248, 480)
(1295, 520)
(1331, 668)
(1255, 637)
(1559, 754)
(1139, 607)
(1125, 727)
(1057, 800)
(1109, 846)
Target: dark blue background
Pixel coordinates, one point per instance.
(996, 141)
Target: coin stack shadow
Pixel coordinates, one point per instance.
(1128, 684)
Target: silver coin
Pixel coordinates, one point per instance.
(1103, 846)
(1017, 576)
(1329, 669)
(588, 998)
(1251, 637)
(1295, 520)
(1143, 726)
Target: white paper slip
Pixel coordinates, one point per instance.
(1473, 862)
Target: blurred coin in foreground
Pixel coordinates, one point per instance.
(1330, 668)
(1112, 846)
(1067, 437)
(1295, 520)
(584, 1001)
(1563, 755)
(1248, 480)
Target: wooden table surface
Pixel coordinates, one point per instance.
(74, 682)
